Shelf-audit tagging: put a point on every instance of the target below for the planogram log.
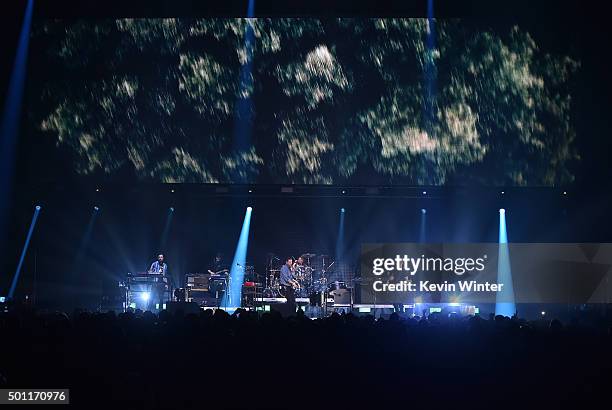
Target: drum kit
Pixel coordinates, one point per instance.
(312, 278)
(317, 283)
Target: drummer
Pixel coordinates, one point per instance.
(298, 267)
(301, 269)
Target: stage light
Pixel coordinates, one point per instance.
(502, 192)
(424, 192)
(423, 226)
(97, 189)
(24, 252)
(543, 313)
(166, 232)
(430, 72)
(340, 239)
(77, 263)
(11, 117)
(145, 296)
(243, 107)
(172, 190)
(564, 192)
(250, 191)
(343, 192)
(504, 302)
(233, 295)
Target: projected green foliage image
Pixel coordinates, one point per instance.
(333, 101)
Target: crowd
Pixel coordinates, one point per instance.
(251, 360)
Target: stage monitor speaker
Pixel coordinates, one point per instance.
(341, 296)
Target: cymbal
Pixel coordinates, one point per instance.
(310, 255)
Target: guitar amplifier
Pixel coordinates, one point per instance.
(250, 292)
(199, 281)
(341, 296)
(203, 298)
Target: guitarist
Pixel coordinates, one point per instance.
(289, 284)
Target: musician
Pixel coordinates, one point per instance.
(288, 283)
(159, 266)
(299, 268)
(218, 280)
(218, 265)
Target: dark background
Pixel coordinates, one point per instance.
(127, 233)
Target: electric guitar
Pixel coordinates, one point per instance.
(294, 284)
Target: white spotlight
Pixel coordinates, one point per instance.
(145, 296)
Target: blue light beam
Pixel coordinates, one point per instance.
(504, 303)
(166, 232)
(78, 260)
(430, 69)
(243, 111)
(23, 253)
(233, 295)
(340, 239)
(11, 115)
(423, 226)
